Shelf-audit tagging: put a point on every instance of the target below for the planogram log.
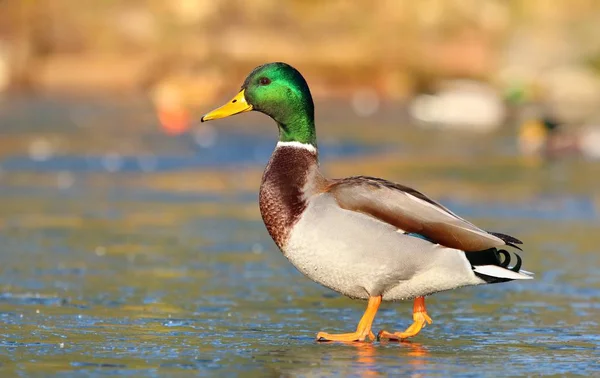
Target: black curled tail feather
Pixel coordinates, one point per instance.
(493, 256)
(506, 260)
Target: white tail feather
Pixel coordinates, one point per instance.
(500, 272)
(522, 271)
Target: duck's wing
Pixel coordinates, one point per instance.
(413, 212)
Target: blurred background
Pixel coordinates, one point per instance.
(130, 237)
(460, 65)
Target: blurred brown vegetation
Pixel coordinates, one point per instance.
(396, 48)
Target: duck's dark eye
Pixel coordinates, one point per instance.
(264, 81)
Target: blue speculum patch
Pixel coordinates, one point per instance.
(414, 234)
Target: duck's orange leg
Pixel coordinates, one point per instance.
(420, 317)
(362, 330)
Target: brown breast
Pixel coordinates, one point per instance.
(286, 182)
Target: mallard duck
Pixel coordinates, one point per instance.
(544, 136)
(465, 105)
(363, 237)
(173, 95)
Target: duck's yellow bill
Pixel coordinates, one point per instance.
(237, 105)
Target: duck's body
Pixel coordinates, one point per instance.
(351, 252)
(361, 257)
(363, 237)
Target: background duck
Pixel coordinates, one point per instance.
(545, 136)
(465, 105)
(364, 237)
(180, 89)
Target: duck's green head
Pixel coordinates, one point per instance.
(279, 91)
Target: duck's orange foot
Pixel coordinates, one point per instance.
(364, 326)
(354, 336)
(420, 318)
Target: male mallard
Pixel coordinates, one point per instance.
(363, 237)
(545, 137)
(465, 105)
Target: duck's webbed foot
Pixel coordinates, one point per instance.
(359, 335)
(420, 319)
(363, 330)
